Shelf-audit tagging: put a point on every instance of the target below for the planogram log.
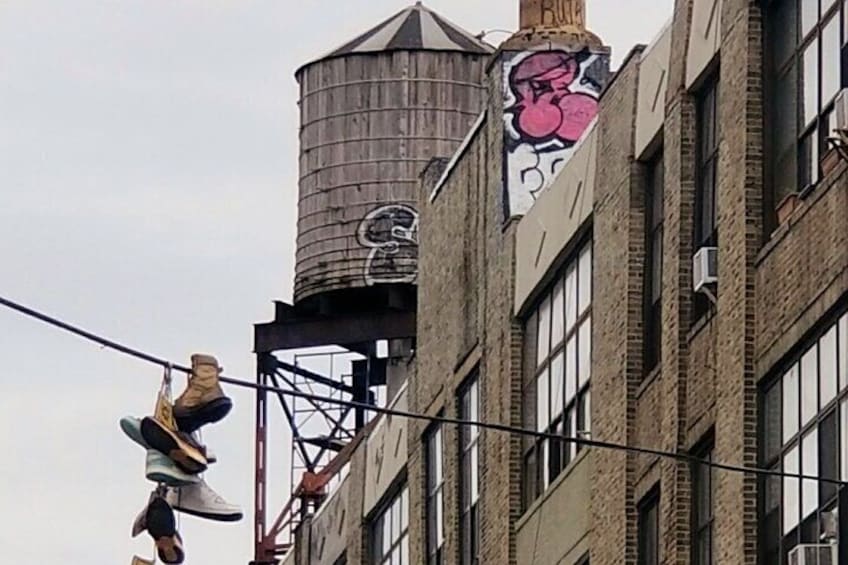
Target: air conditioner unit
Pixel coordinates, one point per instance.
(813, 555)
(705, 268)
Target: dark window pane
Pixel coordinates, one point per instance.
(772, 441)
(653, 271)
(702, 511)
(783, 31)
(648, 540)
(583, 416)
(475, 535)
(828, 456)
(466, 538)
(653, 261)
(655, 191)
(705, 205)
(707, 138)
(555, 459)
(707, 122)
(531, 330)
(703, 496)
(783, 134)
(529, 488)
(656, 265)
(810, 530)
(703, 547)
(570, 420)
(770, 526)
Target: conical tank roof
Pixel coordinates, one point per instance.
(416, 28)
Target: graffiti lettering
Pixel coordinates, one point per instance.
(561, 13)
(550, 98)
(391, 232)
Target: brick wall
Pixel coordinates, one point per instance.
(803, 270)
(465, 323)
(740, 190)
(618, 237)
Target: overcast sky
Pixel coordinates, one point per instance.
(148, 166)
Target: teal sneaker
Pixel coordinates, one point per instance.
(160, 469)
(132, 428)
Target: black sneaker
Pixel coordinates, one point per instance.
(162, 527)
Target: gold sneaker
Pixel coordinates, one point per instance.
(179, 447)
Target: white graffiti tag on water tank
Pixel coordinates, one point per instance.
(391, 232)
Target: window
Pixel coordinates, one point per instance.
(804, 430)
(470, 474)
(804, 39)
(706, 233)
(653, 263)
(702, 510)
(649, 530)
(435, 497)
(558, 360)
(390, 532)
(707, 164)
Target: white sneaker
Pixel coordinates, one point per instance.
(201, 501)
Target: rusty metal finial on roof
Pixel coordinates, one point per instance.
(559, 21)
(566, 15)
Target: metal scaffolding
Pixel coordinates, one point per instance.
(332, 353)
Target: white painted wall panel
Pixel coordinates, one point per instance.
(704, 39)
(653, 84)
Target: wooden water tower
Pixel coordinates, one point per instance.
(373, 113)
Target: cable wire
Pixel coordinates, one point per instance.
(582, 442)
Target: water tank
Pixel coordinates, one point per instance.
(373, 113)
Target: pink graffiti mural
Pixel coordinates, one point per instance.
(547, 108)
(550, 99)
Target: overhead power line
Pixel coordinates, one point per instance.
(503, 428)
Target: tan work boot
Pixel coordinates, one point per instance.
(203, 402)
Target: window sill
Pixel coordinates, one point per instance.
(703, 322)
(648, 381)
(563, 476)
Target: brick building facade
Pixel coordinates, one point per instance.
(570, 308)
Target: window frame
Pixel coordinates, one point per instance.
(781, 72)
(648, 508)
(377, 526)
(469, 450)
(654, 232)
(707, 101)
(434, 495)
(544, 459)
(783, 437)
(703, 529)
